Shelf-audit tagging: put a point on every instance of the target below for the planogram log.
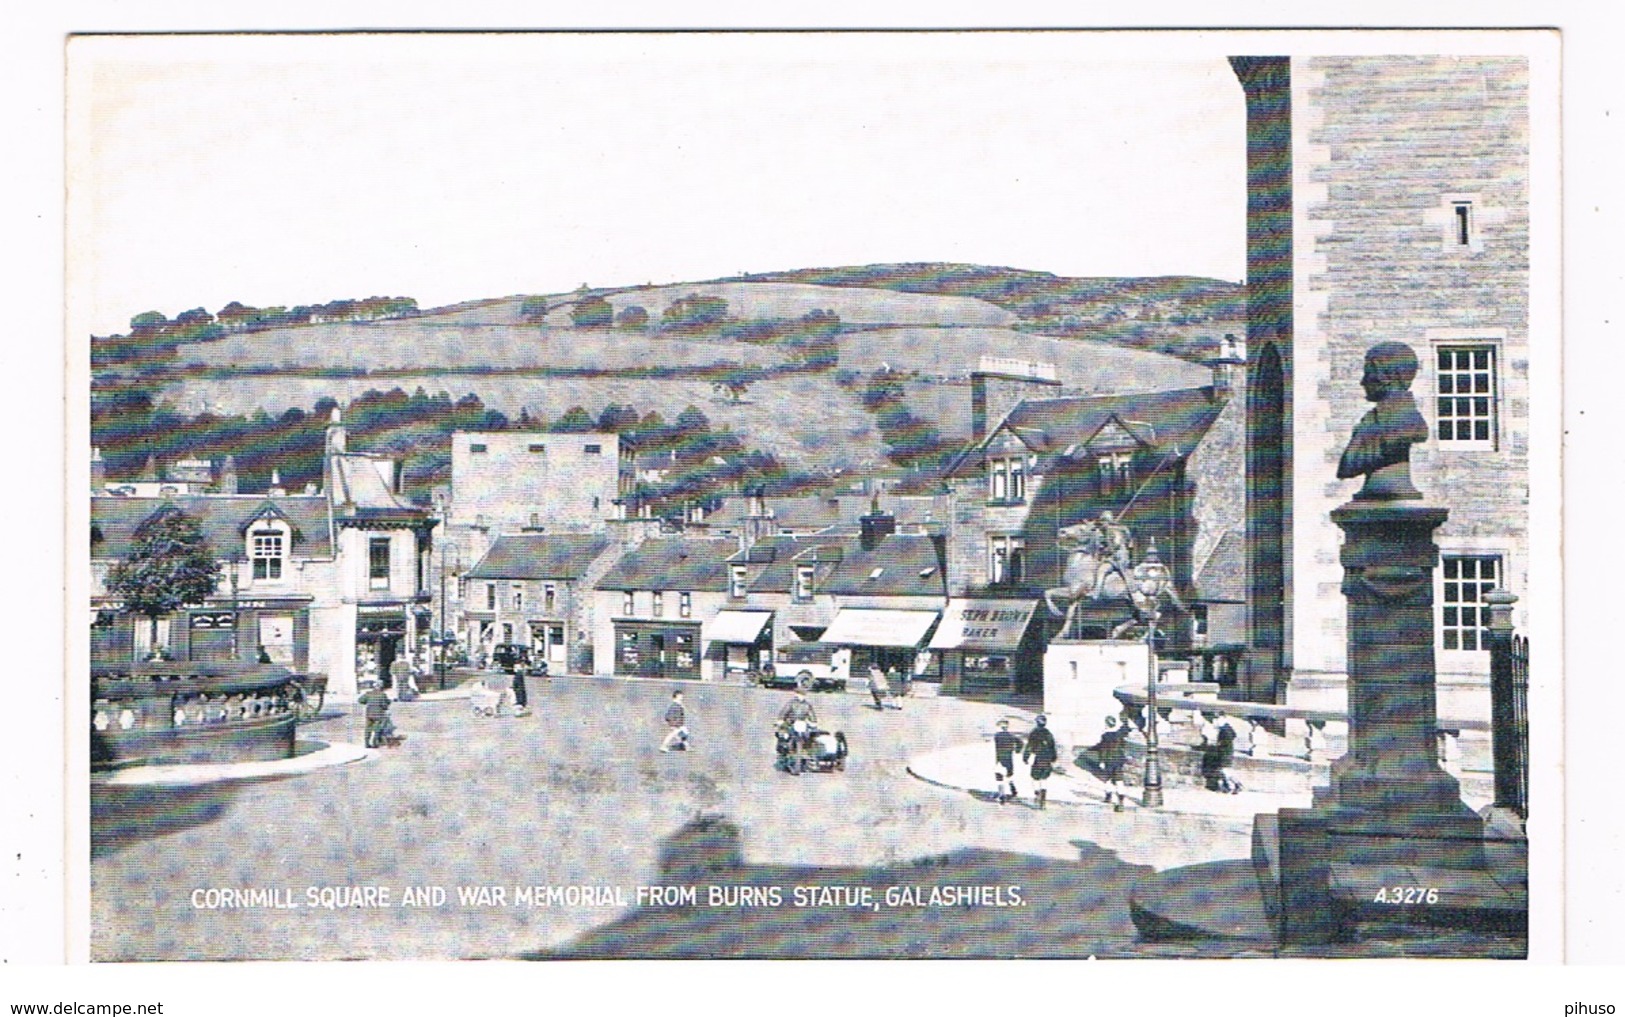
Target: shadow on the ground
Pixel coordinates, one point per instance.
(1020, 906)
(122, 816)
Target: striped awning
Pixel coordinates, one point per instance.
(737, 626)
(861, 626)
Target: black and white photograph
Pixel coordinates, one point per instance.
(668, 493)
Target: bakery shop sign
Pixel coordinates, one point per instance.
(983, 624)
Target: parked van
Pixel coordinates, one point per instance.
(811, 666)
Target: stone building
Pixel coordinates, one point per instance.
(649, 608)
(332, 582)
(536, 589)
(1168, 465)
(1388, 201)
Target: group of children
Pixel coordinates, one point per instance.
(1040, 751)
(1218, 750)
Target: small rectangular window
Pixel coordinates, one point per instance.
(593, 450)
(736, 582)
(1463, 223)
(490, 596)
(1462, 613)
(378, 563)
(1467, 396)
(538, 448)
(804, 582)
(659, 604)
(626, 603)
(267, 554)
(1007, 563)
(476, 447)
(518, 596)
(549, 599)
(685, 604)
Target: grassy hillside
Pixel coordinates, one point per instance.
(932, 324)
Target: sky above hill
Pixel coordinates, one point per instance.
(300, 169)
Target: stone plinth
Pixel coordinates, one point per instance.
(1390, 807)
(1079, 679)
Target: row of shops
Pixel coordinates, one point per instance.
(971, 646)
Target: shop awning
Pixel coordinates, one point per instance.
(983, 624)
(737, 626)
(860, 626)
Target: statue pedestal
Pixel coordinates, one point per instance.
(1391, 815)
(1079, 678)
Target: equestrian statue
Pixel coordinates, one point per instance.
(1100, 569)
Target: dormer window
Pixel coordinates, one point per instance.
(804, 582)
(267, 549)
(1116, 474)
(736, 582)
(1007, 479)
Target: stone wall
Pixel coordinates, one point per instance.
(1381, 148)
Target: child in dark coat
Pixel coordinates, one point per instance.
(1005, 747)
(1110, 752)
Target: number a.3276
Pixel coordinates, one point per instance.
(1407, 895)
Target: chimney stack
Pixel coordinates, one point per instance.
(876, 526)
(277, 490)
(1226, 367)
(98, 472)
(228, 476)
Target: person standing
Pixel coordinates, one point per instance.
(1041, 752)
(1111, 754)
(1005, 747)
(677, 725)
(521, 695)
(878, 686)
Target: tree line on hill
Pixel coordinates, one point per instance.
(697, 462)
(153, 337)
(811, 339)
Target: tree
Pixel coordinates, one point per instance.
(575, 420)
(592, 312)
(618, 419)
(632, 316)
(148, 323)
(694, 312)
(169, 566)
(735, 379)
(533, 309)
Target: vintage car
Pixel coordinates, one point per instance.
(808, 666)
(509, 656)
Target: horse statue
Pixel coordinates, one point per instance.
(1098, 568)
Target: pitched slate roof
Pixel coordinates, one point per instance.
(899, 565)
(223, 518)
(809, 513)
(1165, 421)
(540, 556)
(672, 563)
(1223, 578)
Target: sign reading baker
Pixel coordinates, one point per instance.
(983, 624)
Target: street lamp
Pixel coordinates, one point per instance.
(1152, 581)
(445, 618)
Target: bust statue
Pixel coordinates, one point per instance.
(1380, 448)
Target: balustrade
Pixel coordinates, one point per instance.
(179, 712)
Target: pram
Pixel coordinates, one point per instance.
(490, 694)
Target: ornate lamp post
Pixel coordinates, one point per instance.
(445, 618)
(1153, 581)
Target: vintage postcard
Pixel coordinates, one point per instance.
(906, 495)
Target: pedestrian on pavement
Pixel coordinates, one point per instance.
(1218, 752)
(677, 724)
(898, 684)
(379, 730)
(1042, 753)
(1110, 752)
(521, 695)
(1005, 747)
(878, 686)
